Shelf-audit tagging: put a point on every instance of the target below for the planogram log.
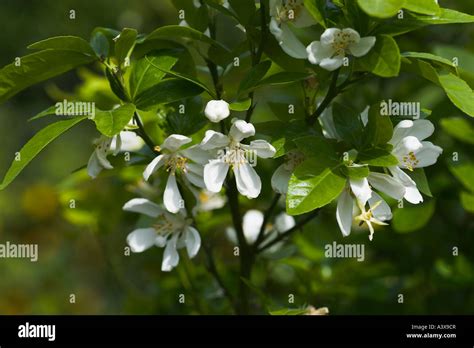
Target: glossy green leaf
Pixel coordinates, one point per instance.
(254, 76)
(49, 111)
(459, 92)
(383, 59)
(34, 146)
(167, 91)
(37, 67)
(241, 105)
(111, 122)
(100, 45)
(428, 56)
(315, 7)
(348, 124)
(428, 7)
(413, 217)
(419, 177)
(377, 157)
(66, 43)
(124, 44)
(146, 71)
(379, 129)
(313, 184)
(381, 8)
(463, 172)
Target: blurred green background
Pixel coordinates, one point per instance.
(81, 250)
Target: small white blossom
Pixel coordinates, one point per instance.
(187, 162)
(282, 174)
(252, 223)
(287, 13)
(233, 154)
(124, 141)
(412, 152)
(335, 44)
(171, 231)
(217, 110)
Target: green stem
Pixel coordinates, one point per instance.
(268, 214)
(150, 143)
(331, 94)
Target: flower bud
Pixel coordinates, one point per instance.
(217, 110)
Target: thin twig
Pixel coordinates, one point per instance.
(266, 217)
(143, 133)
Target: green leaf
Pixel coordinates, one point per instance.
(116, 85)
(100, 44)
(167, 91)
(464, 173)
(282, 133)
(187, 78)
(383, 59)
(37, 67)
(49, 111)
(34, 146)
(241, 105)
(314, 8)
(313, 146)
(381, 8)
(379, 129)
(419, 177)
(177, 31)
(146, 71)
(413, 217)
(189, 122)
(412, 21)
(66, 43)
(282, 78)
(313, 184)
(356, 172)
(111, 122)
(348, 124)
(459, 92)
(429, 56)
(125, 44)
(377, 157)
(459, 128)
(197, 18)
(429, 7)
(467, 201)
(254, 76)
(289, 311)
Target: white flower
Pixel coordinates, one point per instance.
(335, 44)
(178, 161)
(282, 174)
(412, 152)
(169, 231)
(252, 223)
(124, 141)
(378, 212)
(217, 110)
(207, 200)
(237, 156)
(285, 13)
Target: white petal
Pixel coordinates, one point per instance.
(116, 144)
(361, 189)
(387, 184)
(214, 140)
(303, 19)
(194, 177)
(217, 110)
(428, 154)
(130, 141)
(362, 47)
(327, 37)
(280, 179)
(197, 3)
(317, 52)
(170, 256)
(172, 197)
(141, 239)
(263, 148)
(287, 40)
(405, 146)
(154, 165)
(412, 194)
(364, 116)
(345, 206)
(160, 241)
(327, 123)
(174, 142)
(248, 181)
(332, 64)
(252, 222)
(421, 129)
(193, 241)
(241, 130)
(215, 173)
(101, 153)
(197, 154)
(382, 212)
(353, 35)
(283, 222)
(93, 166)
(143, 206)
